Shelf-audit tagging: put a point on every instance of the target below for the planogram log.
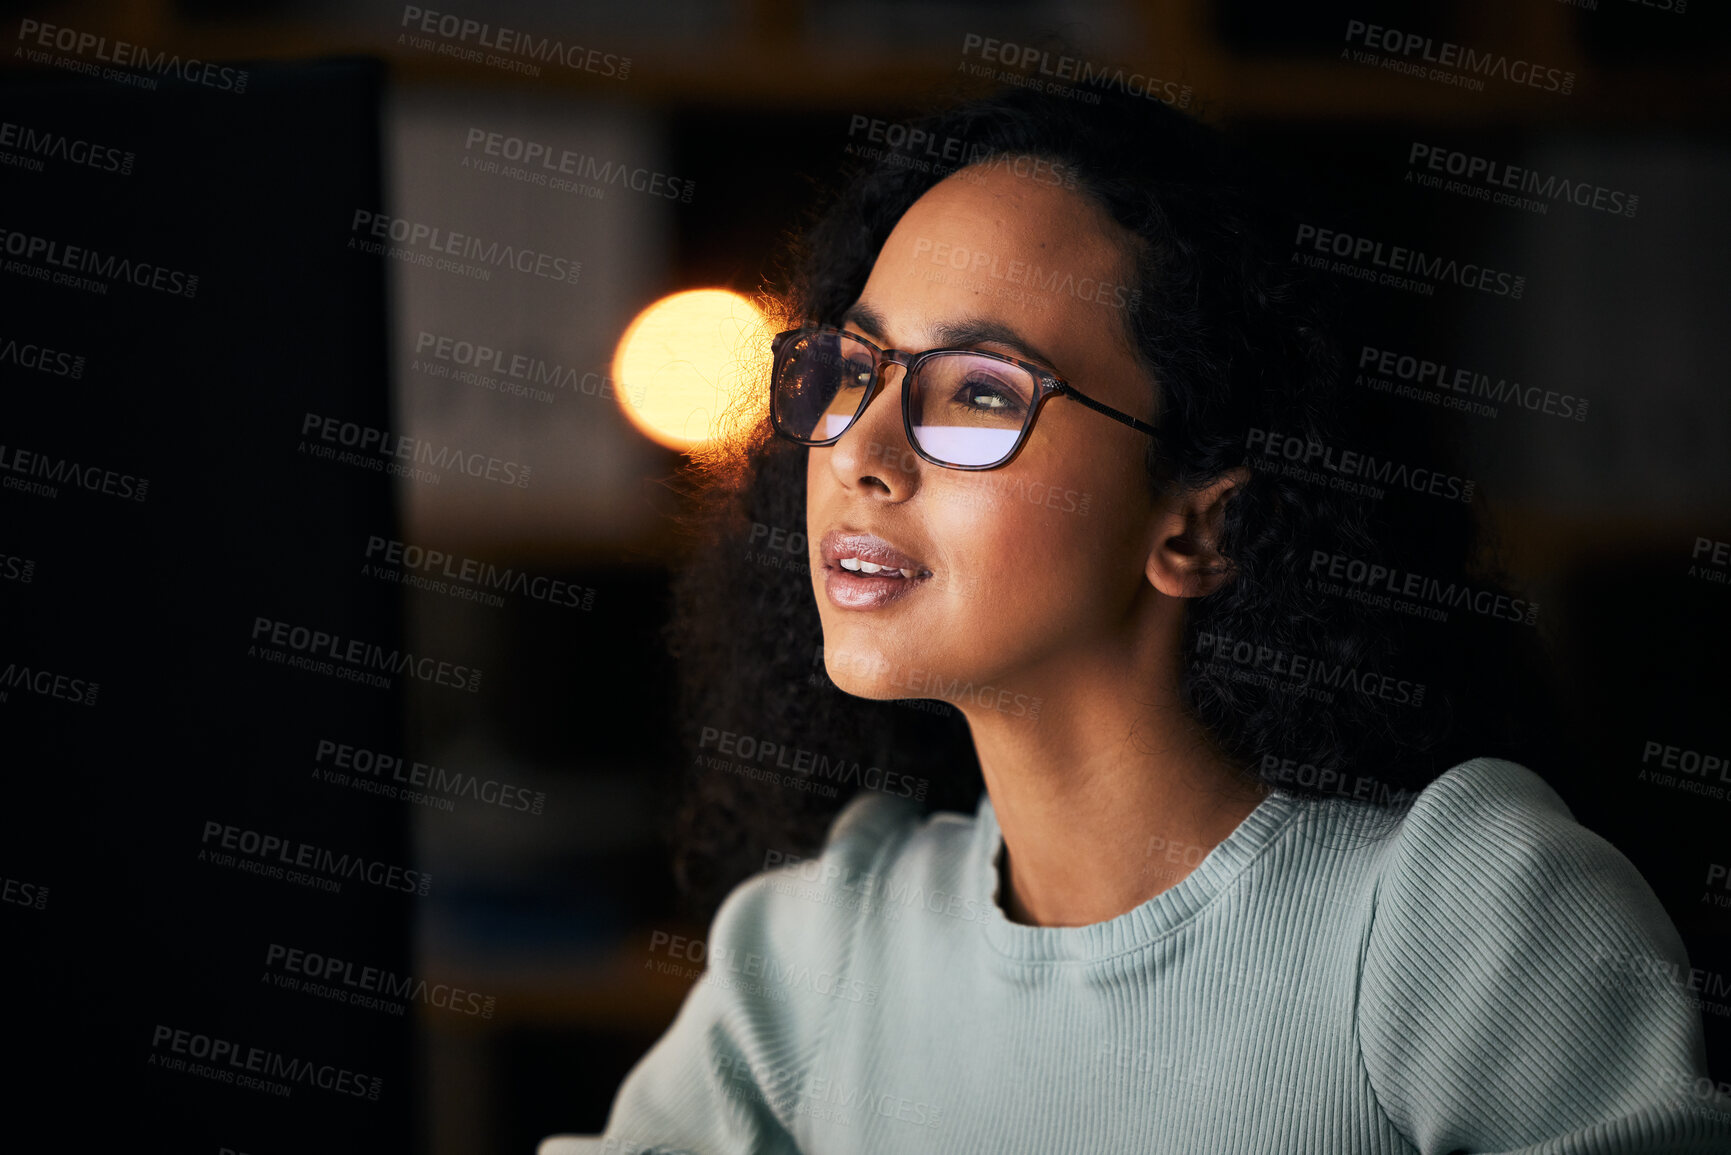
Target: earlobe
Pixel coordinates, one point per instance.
(1185, 561)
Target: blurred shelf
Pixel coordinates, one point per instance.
(766, 62)
(618, 993)
(1542, 543)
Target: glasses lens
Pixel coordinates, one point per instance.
(969, 409)
(820, 380)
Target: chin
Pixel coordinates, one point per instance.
(861, 670)
(867, 661)
(869, 690)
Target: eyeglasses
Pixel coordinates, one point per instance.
(961, 408)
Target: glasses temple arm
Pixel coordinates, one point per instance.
(1097, 407)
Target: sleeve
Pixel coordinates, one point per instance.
(722, 1079)
(1523, 990)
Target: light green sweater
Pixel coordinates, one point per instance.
(1487, 976)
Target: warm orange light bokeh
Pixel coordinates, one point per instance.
(685, 359)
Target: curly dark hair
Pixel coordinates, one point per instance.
(1235, 335)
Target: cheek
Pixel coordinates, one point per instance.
(1016, 547)
(1065, 536)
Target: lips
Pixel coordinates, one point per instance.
(873, 550)
(859, 589)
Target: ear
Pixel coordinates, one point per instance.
(1183, 561)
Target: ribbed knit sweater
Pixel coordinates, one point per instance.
(1485, 974)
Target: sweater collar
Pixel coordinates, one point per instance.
(1137, 927)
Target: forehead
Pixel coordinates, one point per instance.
(1006, 245)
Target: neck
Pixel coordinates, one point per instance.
(1114, 794)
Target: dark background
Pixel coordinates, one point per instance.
(550, 914)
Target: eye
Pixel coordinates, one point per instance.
(989, 393)
(856, 372)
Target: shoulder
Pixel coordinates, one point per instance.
(1489, 860)
(870, 830)
(808, 906)
(1485, 791)
(875, 834)
(1492, 838)
(871, 826)
(1503, 927)
(777, 982)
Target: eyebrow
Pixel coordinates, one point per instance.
(968, 331)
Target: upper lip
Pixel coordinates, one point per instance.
(840, 543)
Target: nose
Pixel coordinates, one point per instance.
(874, 452)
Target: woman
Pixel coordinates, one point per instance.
(1234, 881)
